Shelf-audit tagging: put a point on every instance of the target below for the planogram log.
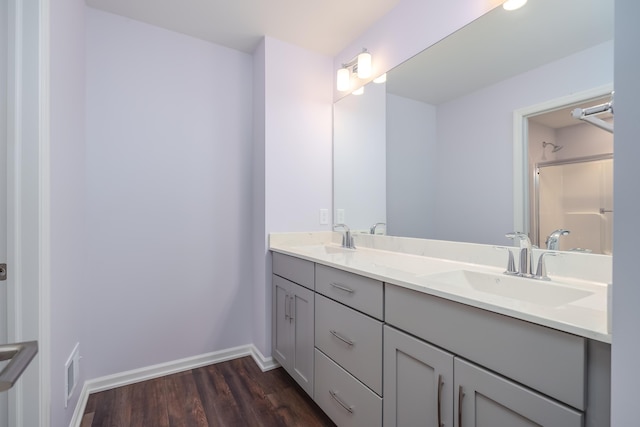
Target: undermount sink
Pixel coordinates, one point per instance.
(538, 292)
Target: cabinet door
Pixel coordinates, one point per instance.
(301, 315)
(418, 382)
(281, 321)
(484, 399)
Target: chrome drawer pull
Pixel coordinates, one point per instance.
(292, 308)
(342, 288)
(341, 338)
(460, 397)
(440, 384)
(337, 399)
(286, 307)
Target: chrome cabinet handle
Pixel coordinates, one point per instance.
(342, 288)
(460, 396)
(292, 308)
(440, 384)
(341, 338)
(335, 397)
(286, 307)
(21, 355)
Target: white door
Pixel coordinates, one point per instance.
(4, 66)
(23, 57)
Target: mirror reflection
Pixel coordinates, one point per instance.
(571, 179)
(431, 151)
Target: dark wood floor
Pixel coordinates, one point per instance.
(234, 393)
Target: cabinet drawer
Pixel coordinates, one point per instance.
(362, 293)
(343, 398)
(297, 270)
(351, 339)
(544, 359)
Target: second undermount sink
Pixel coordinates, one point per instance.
(538, 292)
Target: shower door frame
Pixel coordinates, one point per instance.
(534, 201)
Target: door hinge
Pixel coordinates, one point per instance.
(3, 271)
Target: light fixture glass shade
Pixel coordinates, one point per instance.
(364, 65)
(513, 4)
(380, 79)
(358, 91)
(343, 79)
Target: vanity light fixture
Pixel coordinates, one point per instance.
(513, 4)
(358, 91)
(359, 66)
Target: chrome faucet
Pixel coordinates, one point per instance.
(373, 228)
(347, 238)
(553, 239)
(526, 255)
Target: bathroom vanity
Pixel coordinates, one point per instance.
(390, 335)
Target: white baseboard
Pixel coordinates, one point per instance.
(149, 372)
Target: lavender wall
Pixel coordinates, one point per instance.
(168, 166)
(297, 160)
(67, 181)
(261, 273)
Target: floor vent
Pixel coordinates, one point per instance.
(71, 369)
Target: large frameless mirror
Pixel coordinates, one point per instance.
(431, 152)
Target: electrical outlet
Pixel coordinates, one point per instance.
(324, 216)
(340, 216)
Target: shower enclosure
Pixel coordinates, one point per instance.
(575, 195)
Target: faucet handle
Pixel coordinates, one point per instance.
(511, 263)
(541, 270)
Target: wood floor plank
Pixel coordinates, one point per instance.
(229, 394)
(122, 408)
(220, 405)
(91, 403)
(183, 401)
(87, 419)
(256, 408)
(291, 404)
(104, 409)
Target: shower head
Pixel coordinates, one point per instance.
(555, 147)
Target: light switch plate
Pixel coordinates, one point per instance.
(339, 216)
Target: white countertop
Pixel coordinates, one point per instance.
(585, 316)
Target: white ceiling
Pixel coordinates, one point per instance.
(325, 26)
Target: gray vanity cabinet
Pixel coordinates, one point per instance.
(293, 319)
(418, 382)
(373, 354)
(484, 399)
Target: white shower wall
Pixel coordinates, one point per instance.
(571, 196)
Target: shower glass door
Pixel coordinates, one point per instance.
(576, 195)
